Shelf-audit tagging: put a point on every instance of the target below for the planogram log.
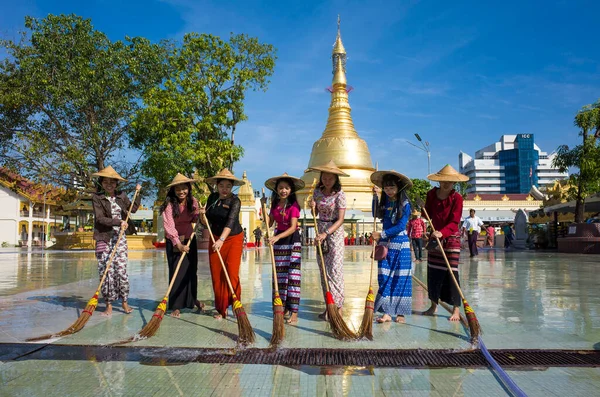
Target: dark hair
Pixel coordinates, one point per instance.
(275, 197)
(224, 179)
(337, 186)
(172, 198)
(392, 180)
(100, 189)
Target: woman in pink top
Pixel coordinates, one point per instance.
(286, 241)
(179, 211)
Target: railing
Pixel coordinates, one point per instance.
(36, 214)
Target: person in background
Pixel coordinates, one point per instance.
(416, 230)
(472, 225)
(490, 235)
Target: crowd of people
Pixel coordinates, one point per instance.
(404, 234)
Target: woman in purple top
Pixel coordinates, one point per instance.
(286, 241)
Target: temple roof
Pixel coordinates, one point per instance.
(34, 192)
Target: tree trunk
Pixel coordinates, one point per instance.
(579, 204)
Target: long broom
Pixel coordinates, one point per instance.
(245, 331)
(278, 323)
(93, 302)
(339, 328)
(474, 327)
(503, 375)
(366, 327)
(150, 329)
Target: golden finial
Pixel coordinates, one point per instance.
(339, 77)
(505, 198)
(477, 198)
(338, 47)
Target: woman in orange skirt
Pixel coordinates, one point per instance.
(223, 213)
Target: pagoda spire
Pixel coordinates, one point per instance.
(339, 52)
(340, 142)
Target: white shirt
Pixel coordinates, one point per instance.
(473, 224)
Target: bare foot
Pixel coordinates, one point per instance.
(108, 311)
(217, 316)
(176, 313)
(323, 316)
(384, 319)
(126, 308)
(200, 306)
(400, 319)
(287, 314)
(293, 320)
(429, 312)
(455, 315)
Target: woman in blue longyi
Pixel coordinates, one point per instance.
(394, 297)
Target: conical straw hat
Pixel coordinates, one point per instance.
(377, 178)
(224, 174)
(416, 213)
(330, 167)
(271, 182)
(448, 174)
(109, 172)
(179, 179)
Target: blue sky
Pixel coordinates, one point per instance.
(460, 74)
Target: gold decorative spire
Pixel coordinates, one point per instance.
(339, 77)
(340, 142)
(246, 194)
(338, 46)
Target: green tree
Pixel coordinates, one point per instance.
(461, 187)
(585, 157)
(419, 189)
(188, 123)
(67, 97)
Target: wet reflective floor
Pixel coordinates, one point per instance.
(530, 300)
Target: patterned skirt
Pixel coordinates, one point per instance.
(334, 263)
(394, 296)
(288, 258)
(439, 282)
(116, 283)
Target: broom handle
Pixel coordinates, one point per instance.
(112, 255)
(444, 255)
(181, 260)
(266, 217)
(320, 249)
(212, 238)
(373, 253)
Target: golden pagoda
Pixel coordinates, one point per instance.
(340, 141)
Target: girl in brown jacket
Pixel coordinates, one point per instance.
(110, 211)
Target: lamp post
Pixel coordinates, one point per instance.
(425, 148)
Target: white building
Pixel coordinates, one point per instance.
(26, 214)
(512, 165)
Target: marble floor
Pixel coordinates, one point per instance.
(526, 299)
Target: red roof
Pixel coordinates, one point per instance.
(24, 187)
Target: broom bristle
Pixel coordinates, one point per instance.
(245, 331)
(278, 323)
(338, 327)
(474, 327)
(366, 327)
(75, 327)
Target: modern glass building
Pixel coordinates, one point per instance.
(512, 165)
